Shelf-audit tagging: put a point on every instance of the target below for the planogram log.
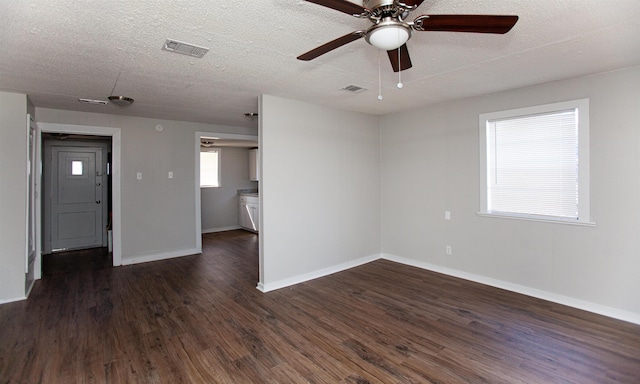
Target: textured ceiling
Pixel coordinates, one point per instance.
(59, 51)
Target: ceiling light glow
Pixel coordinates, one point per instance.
(388, 37)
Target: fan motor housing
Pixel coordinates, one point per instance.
(373, 4)
(381, 9)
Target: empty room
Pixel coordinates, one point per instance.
(320, 191)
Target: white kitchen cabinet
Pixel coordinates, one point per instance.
(254, 164)
(249, 214)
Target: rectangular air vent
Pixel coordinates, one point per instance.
(354, 89)
(184, 48)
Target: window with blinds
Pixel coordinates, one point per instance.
(535, 162)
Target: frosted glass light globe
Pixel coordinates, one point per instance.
(388, 37)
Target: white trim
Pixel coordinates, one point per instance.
(29, 186)
(37, 273)
(33, 191)
(614, 313)
(198, 136)
(221, 229)
(315, 274)
(160, 256)
(198, 229)
(7, 301)
(116, 153)
(30, 288)
(261, 228)
(536, 218)
(584, 305)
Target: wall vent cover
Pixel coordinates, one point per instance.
(184, 48)
(354, 89)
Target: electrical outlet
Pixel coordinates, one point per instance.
(448, 250)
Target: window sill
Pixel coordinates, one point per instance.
(538, 219)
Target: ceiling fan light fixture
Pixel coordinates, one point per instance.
(121, 101)
(388, 35)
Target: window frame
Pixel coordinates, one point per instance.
(584, 195)
(219, 152)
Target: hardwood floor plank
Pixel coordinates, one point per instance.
(284, 373)
(199, 319)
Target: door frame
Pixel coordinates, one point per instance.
(49, 147)
(116, 153)
(33, 233)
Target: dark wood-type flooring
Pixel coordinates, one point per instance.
(200, 319)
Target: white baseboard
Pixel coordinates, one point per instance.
(221, 229)
(159, 256)
(7, 301)
(315, 274)
(30, 288)
(615, 313)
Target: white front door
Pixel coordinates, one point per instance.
(77, 181)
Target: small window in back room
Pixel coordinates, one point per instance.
(209, 168)
(535, 163)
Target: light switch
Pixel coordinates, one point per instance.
(447, 215)
(139, 175)
(170, 175)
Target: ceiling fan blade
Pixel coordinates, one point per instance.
(400, 63)
(342, 6)
(465, 23)
(330, 46)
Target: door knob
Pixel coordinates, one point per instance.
(97, 201)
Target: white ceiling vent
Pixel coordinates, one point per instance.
(184, 48)
(354, 89)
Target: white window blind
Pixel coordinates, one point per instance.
(536, 162)
(533, 164)
(210, 168)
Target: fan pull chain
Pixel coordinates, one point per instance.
(379, 76)
(400, 85)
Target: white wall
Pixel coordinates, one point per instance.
(319, 190)
(13, 195)
(430, 164)
(220, 205)
(158, 213)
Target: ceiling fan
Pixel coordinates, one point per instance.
(390, 30)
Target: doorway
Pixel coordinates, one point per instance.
(76, 192)
(223, 140)
(105, 134)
